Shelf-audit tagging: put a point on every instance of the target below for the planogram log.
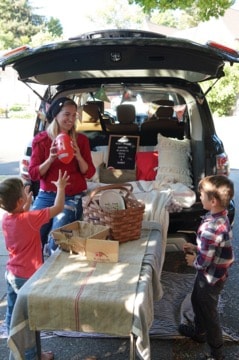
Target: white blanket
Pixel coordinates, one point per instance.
(160, 199)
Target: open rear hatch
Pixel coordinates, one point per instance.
(138, 55)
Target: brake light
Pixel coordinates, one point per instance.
(223, 48)
(17, 50)
(222, 164)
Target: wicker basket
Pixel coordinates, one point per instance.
(125, 225)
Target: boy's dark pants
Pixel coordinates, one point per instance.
(204, 301)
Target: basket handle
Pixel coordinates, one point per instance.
(128, 188)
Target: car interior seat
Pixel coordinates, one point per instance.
(89, 119)
(162, 122)
(90, 112)
(126, 115)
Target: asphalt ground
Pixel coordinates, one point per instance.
(88, 348)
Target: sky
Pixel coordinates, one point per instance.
(73, 13)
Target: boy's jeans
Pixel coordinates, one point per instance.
(14, 284)
(204, 301)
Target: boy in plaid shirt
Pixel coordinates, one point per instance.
(212, 256)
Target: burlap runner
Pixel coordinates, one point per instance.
(85, 296)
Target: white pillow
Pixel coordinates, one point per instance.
(104, 149)
(98, 159)
(174, 161)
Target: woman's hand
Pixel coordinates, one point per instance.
(53, 151)
(76, 149)
(44, 167)
(81, 161)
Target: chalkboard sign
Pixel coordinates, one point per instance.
(122, 151)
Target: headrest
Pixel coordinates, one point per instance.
(163, 102)
(164, 112)
(90, 112)
(126, 113)
(100, 104)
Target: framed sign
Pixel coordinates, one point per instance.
(122, 151)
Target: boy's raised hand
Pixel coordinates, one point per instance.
(60, 184)
(62, 180)
(28, 202)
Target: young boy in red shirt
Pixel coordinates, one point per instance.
(21, 230)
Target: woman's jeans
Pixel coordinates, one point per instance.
(204, 301)
(72, 212)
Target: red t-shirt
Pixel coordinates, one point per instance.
(77, 181)
(23, 242)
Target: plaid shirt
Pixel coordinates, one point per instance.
(214, 248)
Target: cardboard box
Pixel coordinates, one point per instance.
(102, 250)
(72, 237)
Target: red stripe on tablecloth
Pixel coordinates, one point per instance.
(80, 292)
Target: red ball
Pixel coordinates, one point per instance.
(65, 149)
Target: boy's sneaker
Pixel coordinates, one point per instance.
(189, 331)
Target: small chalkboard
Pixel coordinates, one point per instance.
(122, 151)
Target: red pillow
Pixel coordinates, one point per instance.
(146, 165)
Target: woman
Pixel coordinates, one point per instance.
(45, 164)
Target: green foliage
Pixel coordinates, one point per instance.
(166, 18)
(206, 9)
(3, 112)
(43, 37)
(15, 23)
(54, 27)
(16, 107)
(222, 97)
(179, 19)
(18, 24)
(125, 16)
(19, 111)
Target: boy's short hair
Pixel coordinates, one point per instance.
(10, 193)
(219, 187)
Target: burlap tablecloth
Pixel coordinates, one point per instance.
(71, 294)
(87, 296)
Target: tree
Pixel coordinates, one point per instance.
(206, 9)
(222, 97)
(124, 16)
(54, 27)
(18, 24)
(166, 18)
(179, 19)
